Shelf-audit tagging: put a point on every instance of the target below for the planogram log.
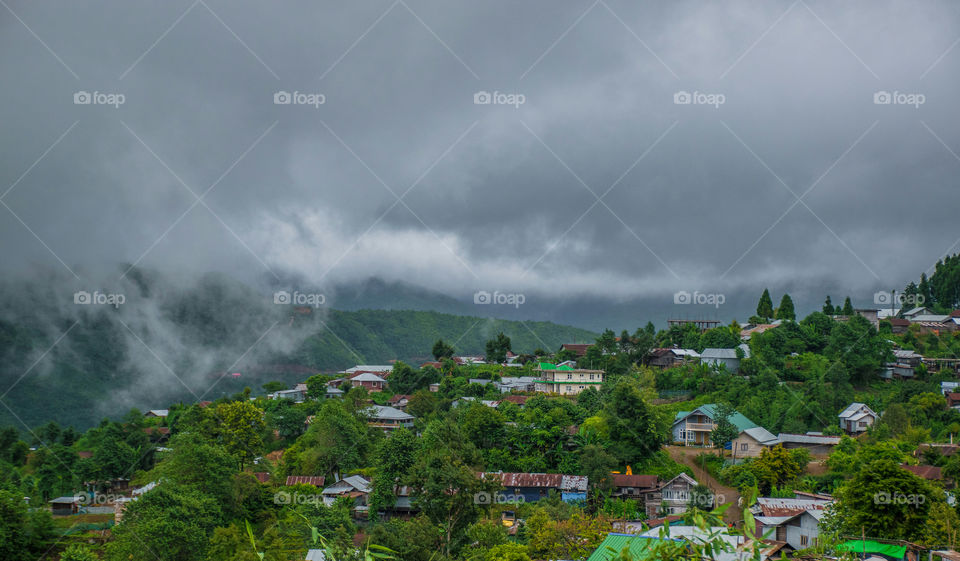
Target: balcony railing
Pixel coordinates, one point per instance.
(701, 426)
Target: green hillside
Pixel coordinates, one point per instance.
(167, 344)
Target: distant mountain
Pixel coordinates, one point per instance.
(378, 294)
(168, 341)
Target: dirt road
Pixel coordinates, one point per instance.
(724, 494)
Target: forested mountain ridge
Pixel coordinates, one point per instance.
(169, 341)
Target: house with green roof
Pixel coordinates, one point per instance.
(565, 379)
(638, 547)
(692, 428)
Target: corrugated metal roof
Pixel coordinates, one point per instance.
(933, 318)
(712, 353)
(610, 548)
(808, 439)
(315, 480)
(777, 507)
(773, 520)
(370, 368)
(637, 481)
(926, 472)
(853, 408)
(710, 410)
(541, 480)
(367, 377)
(385, 412)
(761, 435)
(347, 484)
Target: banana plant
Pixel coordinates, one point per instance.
(371, 552)
(253, 541)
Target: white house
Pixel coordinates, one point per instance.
(389, 418)
(355, 486)
(795, 521)
(675, 494)
(297, 394)
(727, 357)
(857, 418)
(918, 311)
(693, 428)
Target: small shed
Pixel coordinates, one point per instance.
(65, 506)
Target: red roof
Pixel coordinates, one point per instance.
(397, 398)
(435, 364)
(926, 472)
(654, 522)
(158, 430)
(528, 479)
(262, 476)
(899, 321)
(579, 348)
(955, 314)
(638, 481)
(315, 480)
(204, 403)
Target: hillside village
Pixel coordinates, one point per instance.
(824, 437)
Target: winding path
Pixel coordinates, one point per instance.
(688, 457)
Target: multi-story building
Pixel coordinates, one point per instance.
(566, 380)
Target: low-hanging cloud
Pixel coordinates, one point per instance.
(601, 183)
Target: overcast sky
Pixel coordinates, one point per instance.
(782, 171)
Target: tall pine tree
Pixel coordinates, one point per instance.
(828, 306)
(923, 290)
(785, 311)
(847, 307)
(765, 305)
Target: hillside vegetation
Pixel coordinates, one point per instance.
(76, 364)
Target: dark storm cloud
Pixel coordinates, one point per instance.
(492, 195)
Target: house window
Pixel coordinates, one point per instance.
(683, 434)
(569, 376)
(581, 387)
(803, 541)
(743, 447)
(591, 376)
